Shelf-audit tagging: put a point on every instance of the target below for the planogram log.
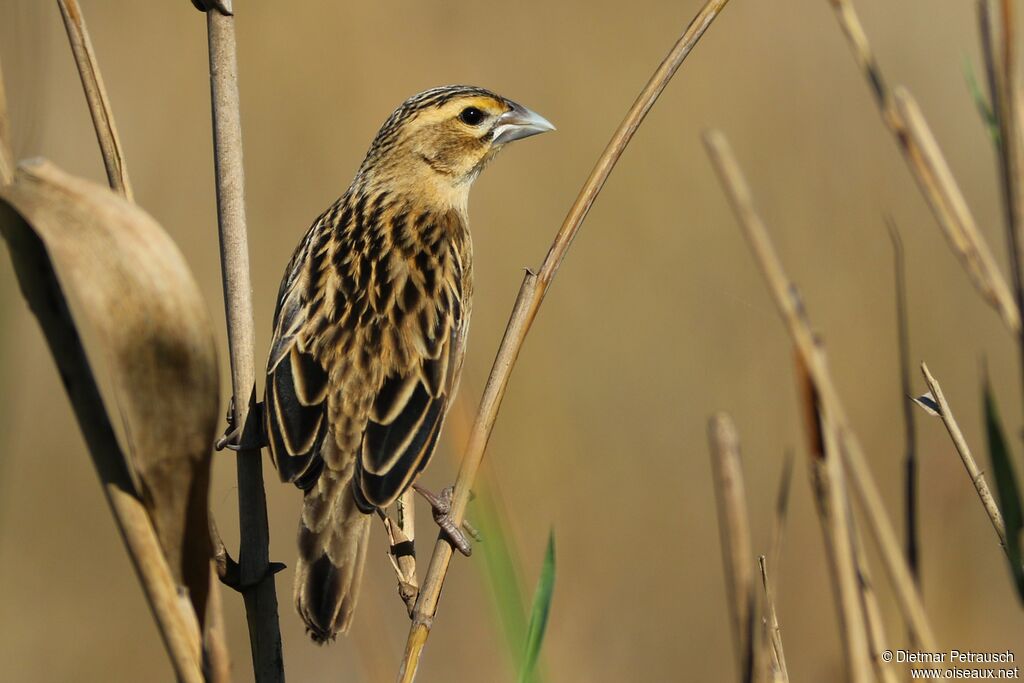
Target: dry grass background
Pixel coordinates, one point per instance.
(657, 320)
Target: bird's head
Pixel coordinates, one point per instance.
(437, 142)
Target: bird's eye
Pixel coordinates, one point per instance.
(471, 116)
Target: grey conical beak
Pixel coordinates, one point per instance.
(518, 123)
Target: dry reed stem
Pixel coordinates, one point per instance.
(790, 308)
(215, 642)
(528, 301)
(960, 443)
(256, 577)
(401, 530)
(6, 154)
(877, 639)
(778, 671)
(96, 96)
(929, 167)
(734, 531)
(829, 487)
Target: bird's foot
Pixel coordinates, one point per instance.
(458, 536)
(242, 437)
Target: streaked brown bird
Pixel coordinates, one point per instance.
(370, 332)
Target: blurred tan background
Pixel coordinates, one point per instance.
(658, 317)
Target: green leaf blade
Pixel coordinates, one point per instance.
(539, 613)
(1006, 487)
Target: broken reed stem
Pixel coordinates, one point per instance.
(778, 671)
(96, 97)
(734, 531)
(531, 295)
(256, 577)
(791, 309)
(829, 487)
(935, 180)
(6, 153)
(909, 428)
(960, 443)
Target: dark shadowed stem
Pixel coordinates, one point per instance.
(96, 96)
(909, 429)
(1000, 52)
(6, 154)
(795, 316)
(256, 577)
(531, 294)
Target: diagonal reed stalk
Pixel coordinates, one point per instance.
(255, 573)
(793, 314)
(963, 450)
(96, 96)
(531, 295)
(929, 168)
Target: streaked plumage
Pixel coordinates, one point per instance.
(370, 332)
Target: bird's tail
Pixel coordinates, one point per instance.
(333, 534)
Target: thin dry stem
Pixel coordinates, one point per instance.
(929, 167)
(6, 153)
(781, 512)
(734, 530)
(960, 443)
(531, 294)
(256, 576)
(96, 96)
(778, 673)
(215, 640)
(401, 532)
(877, 639)
(791, 309)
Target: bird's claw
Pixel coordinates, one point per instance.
(457, 535)
(235, 438)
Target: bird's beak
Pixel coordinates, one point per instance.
(518, 123)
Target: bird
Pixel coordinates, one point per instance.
(370, 329)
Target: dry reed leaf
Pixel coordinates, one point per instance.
(135, 295)
(927, 403)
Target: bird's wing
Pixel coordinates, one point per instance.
(295, 407)
(405, 418)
